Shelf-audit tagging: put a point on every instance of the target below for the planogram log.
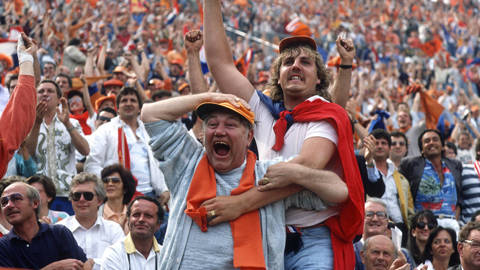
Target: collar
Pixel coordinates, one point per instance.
(130, 246)
(75, 225)
(42, 227)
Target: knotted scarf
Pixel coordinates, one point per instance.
(246, 229)
(349, 221)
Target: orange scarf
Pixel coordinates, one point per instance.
(246, 230)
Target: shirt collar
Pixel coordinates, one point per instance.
(130, 246)
(75, 225)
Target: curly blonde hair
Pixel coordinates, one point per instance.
(322, 73)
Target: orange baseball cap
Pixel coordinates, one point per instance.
(113, 82)
(297, 41)
(102, 99)
(206, 108)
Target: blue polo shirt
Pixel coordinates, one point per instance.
(52, 243)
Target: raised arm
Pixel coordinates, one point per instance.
(19, 114)
(173, 108)
(193, 45)
(219, 56)
(341, 87)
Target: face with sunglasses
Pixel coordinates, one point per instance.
(422, 229)
(85, 201)
(399, 147)
(113, 185)
(16, 206)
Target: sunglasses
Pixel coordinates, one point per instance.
(422, 224)
(15, 197)
(104, 118)
(87, 195)
(114, 180)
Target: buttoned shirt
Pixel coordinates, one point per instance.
(124, 255)
(97, 238)
(55, 154)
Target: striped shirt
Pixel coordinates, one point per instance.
(470, 192)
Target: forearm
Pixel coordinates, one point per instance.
(171, 109)
(32, 139)
(253, 199)
(195, 75)
(216, 43)
(341, 88)
(78, 141)
(326, 184)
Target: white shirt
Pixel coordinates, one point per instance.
(4, 97)
(294, 139)
(390, 197)
(123, 255)
(96, 239)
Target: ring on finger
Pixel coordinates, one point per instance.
(266, 180)
(211, 213)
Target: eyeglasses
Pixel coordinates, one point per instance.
(399, 143)
(422, 224)
(14, 197)
(379, 214)
(473, 244)
(87, 195)
(114, 180)
(104, 118)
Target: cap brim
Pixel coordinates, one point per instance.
(206, 108)
(297, 41)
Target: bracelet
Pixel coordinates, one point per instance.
(354, 121)
(69, 129)
(345, 66)
(370, 165)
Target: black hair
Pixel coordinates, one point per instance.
(420, 137)
(126, 177)
(107, 109)
(57, 88)
(427, 253)
(129, 91)
(452, 146)
(411, 243)
(47, 184)
(382, 134)
(152, 200)
(69, 79)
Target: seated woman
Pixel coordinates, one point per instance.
(47, 191)
(422, 223)
(119, 185)
(441, 250)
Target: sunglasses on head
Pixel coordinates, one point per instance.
(15, 197)
(422, 224)
(87, 195)
(104, 118)
(114, 180)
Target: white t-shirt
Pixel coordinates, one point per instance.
(294, 138)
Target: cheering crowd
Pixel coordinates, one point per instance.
(156, 134)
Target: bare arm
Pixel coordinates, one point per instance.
(341, 87)
(102, 55)
(219, 56)
(193, 45)
(173, 108)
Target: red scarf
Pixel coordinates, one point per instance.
(349, 222)
(246, 230)
(82, 119)
(124, 157)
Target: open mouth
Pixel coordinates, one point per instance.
(221, 148)
(295, 78)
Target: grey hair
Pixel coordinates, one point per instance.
(33, 196)
(377, 201)
(84, 177)
(367, 243)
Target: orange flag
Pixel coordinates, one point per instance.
(432, 110)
